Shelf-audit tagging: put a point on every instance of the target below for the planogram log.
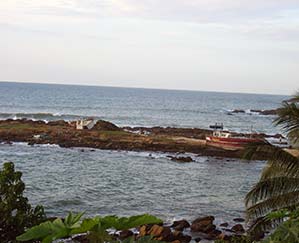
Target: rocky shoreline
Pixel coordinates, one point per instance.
(202, 229)
(105, 135)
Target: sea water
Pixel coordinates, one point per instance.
(128, 183)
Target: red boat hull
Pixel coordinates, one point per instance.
(231, 143)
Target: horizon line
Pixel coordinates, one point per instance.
(131, 87)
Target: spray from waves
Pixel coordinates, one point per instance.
(42, 116)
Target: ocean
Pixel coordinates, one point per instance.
(128, 183)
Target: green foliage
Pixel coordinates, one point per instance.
(287, 231)
(278, 187)
(288, 118)
(236, 239)
(96, 228)
(16, 213)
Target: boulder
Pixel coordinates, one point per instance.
(142, 231)
(238, 228)
(105, 126)
(156, 230)
(166, 235)
(224, 225)
(180, 225)
(223, 237)
(239, 220)
(203, 224)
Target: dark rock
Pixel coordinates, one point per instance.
(181, 159)
(156, 230)
(166, 234)
(197, 239)
(180, 225)
(238, 228)
(203, 224)
(125, 234)
(258, 235)
(224, 225)
(239, 220)
(57, 123)
(105, 126)
(238, 111)
(269, 112)
(212, 234)
(224, 237)
(81, 239)
(178, 235)
(255, 111)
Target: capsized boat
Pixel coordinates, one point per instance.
(227, 140)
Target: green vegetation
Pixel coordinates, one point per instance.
(15, 126)
(278, 187)
(287, 231)
(236, 239)
(95, 228)
(16, 213)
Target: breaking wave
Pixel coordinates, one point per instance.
(42, 116)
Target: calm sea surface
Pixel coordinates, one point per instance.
(126, 183)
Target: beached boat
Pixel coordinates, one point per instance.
(227, 140)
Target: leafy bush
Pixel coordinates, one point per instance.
(16, 213)
(236, 239)
(95, 228)
(288, 229)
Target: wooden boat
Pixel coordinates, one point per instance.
(227, 140)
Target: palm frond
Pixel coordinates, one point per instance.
(294, 136)
(270, 188)
(285, 200)
(262, 224)
(288, 116)
(280, 162)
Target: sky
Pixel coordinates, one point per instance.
(216, 45)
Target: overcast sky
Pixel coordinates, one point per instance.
(217, 45)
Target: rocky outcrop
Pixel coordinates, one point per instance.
(202, 229)
(102, 125)
(106, 135)
(203, 224)
(180, 225)
(181, 159)
(238, 111)
(58, 123)
(163, 233)
(272, 112)
(238, 228)
(239, 220)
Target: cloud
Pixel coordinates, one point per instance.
(191, 10)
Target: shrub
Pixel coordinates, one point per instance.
(95, 228)
(16, 213)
